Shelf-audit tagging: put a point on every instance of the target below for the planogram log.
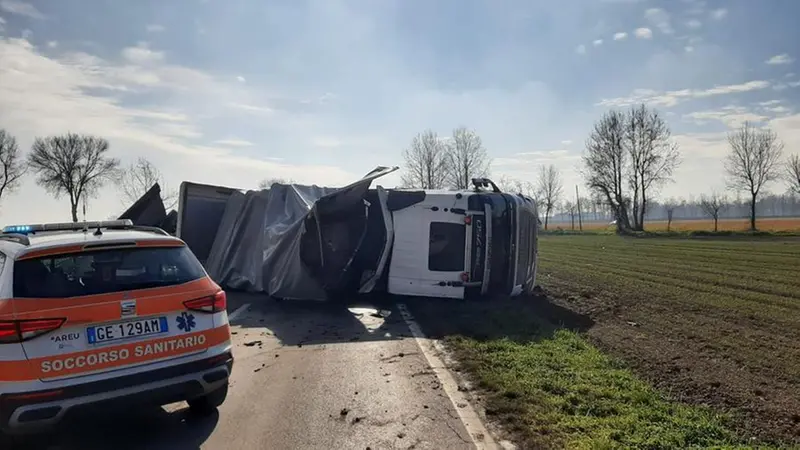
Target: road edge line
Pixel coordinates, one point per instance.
(469, 417)
(234, 315)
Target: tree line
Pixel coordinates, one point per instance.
(76, 166)
(628, 157)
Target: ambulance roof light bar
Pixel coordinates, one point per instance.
(67, 226)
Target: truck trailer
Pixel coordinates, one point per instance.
(308, 242)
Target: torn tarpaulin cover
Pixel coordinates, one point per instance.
(299, 242)
(149, 211)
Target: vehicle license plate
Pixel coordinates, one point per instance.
(129, 329)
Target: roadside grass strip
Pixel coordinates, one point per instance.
(562, 392)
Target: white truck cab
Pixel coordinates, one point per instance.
(463, 244)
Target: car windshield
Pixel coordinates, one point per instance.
(99, 272)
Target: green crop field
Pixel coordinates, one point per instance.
(675, 343)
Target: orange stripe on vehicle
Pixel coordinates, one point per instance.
(106, 307)
(111, 357)
(50, 251)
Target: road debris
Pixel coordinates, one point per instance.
(252, 343)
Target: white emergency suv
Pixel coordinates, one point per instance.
(99, 314)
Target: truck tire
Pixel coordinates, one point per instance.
(208, 403)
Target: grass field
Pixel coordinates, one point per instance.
(766, 224)
(676, 343)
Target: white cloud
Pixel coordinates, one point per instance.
(581, 49)
(660, 19)
(52, 44)
(694, 24)
(327, 142)
(643, 33)
(566, 142)
(597, 42)
(672, 98)
(27, 33)
(254, 109)
(154, 28)
(21, 8)
(536, 158)
(779, 110)
(240, 79)
(770, 103)
(780, 59)
(141, 54)
(620, 36)
(234, 143)
(688, 49)
(41, 95)
(731, 116)
(719, 14)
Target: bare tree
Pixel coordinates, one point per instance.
(12, 165)
(267, 182)
(426, 162)
(793, 173)
(138, 177)
(550, 189)
(632, 150)
(72, 164)
(605, 164)
(653, 156)
(466, 158)
(753, 162)
(712, 205)
(670, 206)
(571, 209)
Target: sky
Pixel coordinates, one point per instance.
(230, 92)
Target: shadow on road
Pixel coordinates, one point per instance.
(522, 319)
(298, 323)
(150, 428)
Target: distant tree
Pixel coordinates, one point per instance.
(712, 205)
(138, 177)
(267, 182)
(670, 206)
(550, 189)
(605, 164)
(653, 156)
(793, 173)
(426, 162)
(633, 151)
(571, 209)
(72, 164)
(12, 165)
(753, 162)
(522, 187)
(466, 158)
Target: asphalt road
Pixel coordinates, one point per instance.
(305, 377)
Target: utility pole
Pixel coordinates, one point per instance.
(578, 202)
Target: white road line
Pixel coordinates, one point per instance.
(472, 421)
(234, 315)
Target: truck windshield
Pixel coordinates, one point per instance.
(104, 271)
(446, 250)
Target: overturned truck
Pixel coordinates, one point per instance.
(308, 242)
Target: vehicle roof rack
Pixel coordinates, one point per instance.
(16, 237)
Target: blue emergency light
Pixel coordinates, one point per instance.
(67, 226)
(20, 229)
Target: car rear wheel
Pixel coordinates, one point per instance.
(208, 403)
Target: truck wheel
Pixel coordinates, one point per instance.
(208, 403)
